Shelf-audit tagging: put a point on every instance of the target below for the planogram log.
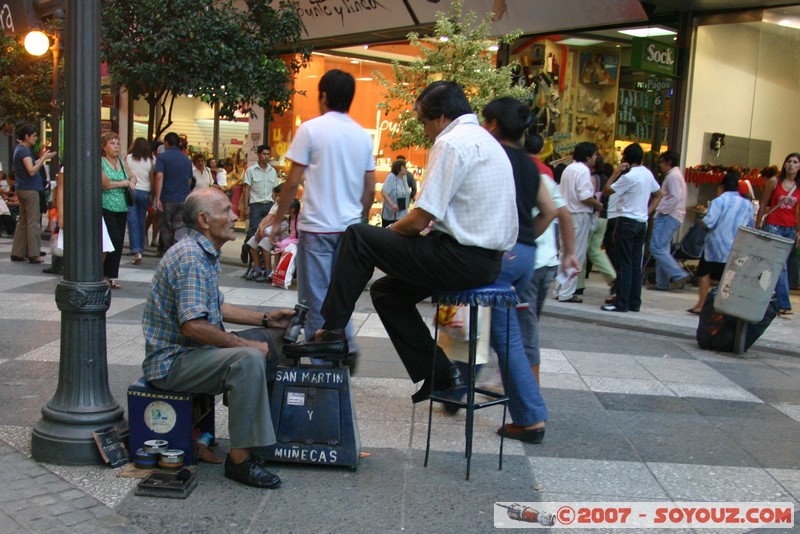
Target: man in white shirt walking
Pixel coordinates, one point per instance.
(577, 191)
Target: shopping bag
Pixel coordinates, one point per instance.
(282, 276)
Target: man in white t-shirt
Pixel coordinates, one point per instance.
(634, 183)
(331, 156)
(466, 168)
(577, 191)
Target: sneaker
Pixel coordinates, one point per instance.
(251, 473)
(678, 284)
(255, 275)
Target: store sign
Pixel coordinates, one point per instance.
(655, 57)
(655, 84)
(332, 18)
(15, 16)
(325, 18)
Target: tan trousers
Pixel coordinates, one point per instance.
(28, 236)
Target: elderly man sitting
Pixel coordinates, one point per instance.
(187, 347)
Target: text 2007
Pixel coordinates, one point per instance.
(602, 515)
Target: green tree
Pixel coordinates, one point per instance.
(457, 51)
(26, 89)
(206, 48)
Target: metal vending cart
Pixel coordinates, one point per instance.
(751, 274)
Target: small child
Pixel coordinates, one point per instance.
(260, 251)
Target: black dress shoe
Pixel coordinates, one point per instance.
(18, 258)
(535, 436)
(251, 473)
(445, 381)
(331, 343)
(351, 362)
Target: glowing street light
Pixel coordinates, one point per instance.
(37, 43)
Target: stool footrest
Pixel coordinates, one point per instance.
(496, 400)
(490, 393)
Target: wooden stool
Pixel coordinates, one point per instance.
(494, 295)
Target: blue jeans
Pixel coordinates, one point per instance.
(316, 255)
(534, 293)
(525, 402)
(782, 289)
(136, 217)
(667, 269)
(629, 237)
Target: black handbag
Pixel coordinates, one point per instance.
(129, 196)
(128, 191)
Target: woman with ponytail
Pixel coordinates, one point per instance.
(507, 119)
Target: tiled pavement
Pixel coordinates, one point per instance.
(634, 416)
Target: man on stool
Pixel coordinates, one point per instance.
(467, 168)
(187, 347)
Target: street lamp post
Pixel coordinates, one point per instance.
(82, 402)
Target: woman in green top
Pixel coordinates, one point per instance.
(115, 178)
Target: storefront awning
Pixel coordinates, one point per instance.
(337, 22)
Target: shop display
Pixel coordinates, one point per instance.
(635, 120)
(575, 95)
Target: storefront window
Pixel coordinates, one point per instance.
(195, 119)
(587, 89)
(744, 97)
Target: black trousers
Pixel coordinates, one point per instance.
(115, 223)
(415, 268)
(630, 235)
(609, 244)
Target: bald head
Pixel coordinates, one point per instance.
(209, 212)
(200, 201)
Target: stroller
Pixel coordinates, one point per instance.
(689, 249)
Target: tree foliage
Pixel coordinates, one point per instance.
(206, 48)
(457, 51)
(26, 87)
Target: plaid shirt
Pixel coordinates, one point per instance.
(185, 287)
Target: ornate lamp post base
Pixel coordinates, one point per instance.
(65, 442)
(82, 402)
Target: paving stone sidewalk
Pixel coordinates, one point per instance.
(634, 415)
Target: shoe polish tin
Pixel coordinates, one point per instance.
(171, 459)
(156, 446)
(145, 460)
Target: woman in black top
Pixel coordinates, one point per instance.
(507, 119)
